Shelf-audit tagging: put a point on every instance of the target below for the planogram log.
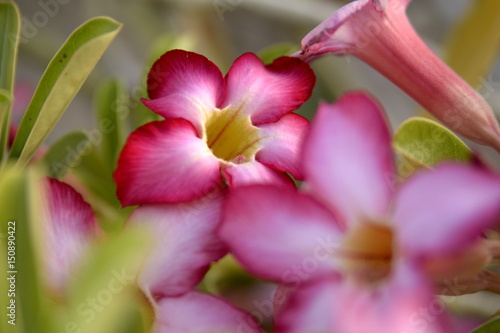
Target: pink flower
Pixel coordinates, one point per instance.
(351, 219)
(238, 129)
(379, 33)
(69, 228)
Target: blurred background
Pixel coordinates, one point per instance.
(221, 30)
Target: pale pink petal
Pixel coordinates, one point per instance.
(379, 33)
(184, 84)
(185, 244)
(253, 172)
(281, 144)
(165, 162)
(201, 313)
(279, 234)
(348, 158)
(441, 212)
(266, 93)
(69, 227)
(405, 303)
(309, 308)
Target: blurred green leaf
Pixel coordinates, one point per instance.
(110, 109)
(9, 37)
(269, 54)
(425, 143)
(17, 203)
(61, 81)
(491, 326)
(474, 43)
(66, 153)
(103, 292)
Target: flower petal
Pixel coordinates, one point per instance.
(69, 227)
(281, 144)
(442, 211)
(201, 313)
(165, 162)
(186, 244)
(266, 93)
(309, 308)
(184, 84)
(348, 158)
(278, 233)
(404, 304)
(253, 172)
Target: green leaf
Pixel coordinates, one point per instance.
(110, 111)
(425, 143)
(66, 153)
(491, 326)
(61, 81)
(9, 37)
(474, 43)
(103, 292)
(269, 54)
(17, 204)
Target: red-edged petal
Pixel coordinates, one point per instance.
(184, 84)
(440, 212)
(279, 234)
(201, 313)
(69, 226)
(185, 244)
(348, 159)
(281, 144)
(165, 162)
(253, 172)
(266, 93)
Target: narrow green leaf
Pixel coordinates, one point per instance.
(104, 292)
(66, 153)
(425, 143)
(17, 188)
(9, 41)
(269, 54)
(110, 109)
(61, 81)
(474, 43)
(491, 326)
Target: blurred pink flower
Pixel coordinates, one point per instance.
(238, 129)
(351, 219)
(69, 227)
(379, 33)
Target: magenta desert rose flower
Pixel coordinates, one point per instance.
(352, 219)
(379, 33)
(69, 227)
(236, 129)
